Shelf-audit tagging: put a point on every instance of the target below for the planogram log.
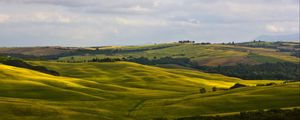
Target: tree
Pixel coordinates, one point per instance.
(202, 90)
(214, 89)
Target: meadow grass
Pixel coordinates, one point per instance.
(124, 90)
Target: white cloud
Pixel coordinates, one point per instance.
(139, 8)
(4, 18)
(37, 17)
(156, 3)
(273, 28)
(49, 17)
(145, 22)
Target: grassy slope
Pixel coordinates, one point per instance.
(35, 51)
(211, 55)
(125, 90)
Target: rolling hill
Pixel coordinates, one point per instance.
(244, 60)
(37, 51)
(124, 90)
(273, 38)
(201, 54)
(208, 55)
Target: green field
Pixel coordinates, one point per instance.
(124, 90)
(210, 55)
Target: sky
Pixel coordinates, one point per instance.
(137, 22)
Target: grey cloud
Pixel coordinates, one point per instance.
(103, 22)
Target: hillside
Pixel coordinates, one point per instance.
(202, 54)
(292, 48)
(208, 55)
(37, 51)
(274, 38)
(22, 64)
(123, 90)
(244, 61)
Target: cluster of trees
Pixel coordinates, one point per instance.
(186, 41)
(105, 60)
(19, 63)
(237, 85)
(202, 90)
(272, 114)
(203, 43)
(213, 89)
(268, 84)
(141, 60)
(273, 71)
(229, 43)
(163, 60)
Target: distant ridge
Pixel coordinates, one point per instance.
(284, 38)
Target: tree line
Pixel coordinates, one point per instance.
(271, 71)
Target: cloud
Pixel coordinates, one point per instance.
(4, 18)
(156, 3)
(49, 17)
(141, 22)
(283, 27)
(138, 8)
(102, 22)
(273, 28)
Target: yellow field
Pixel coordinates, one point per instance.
(124, 90)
